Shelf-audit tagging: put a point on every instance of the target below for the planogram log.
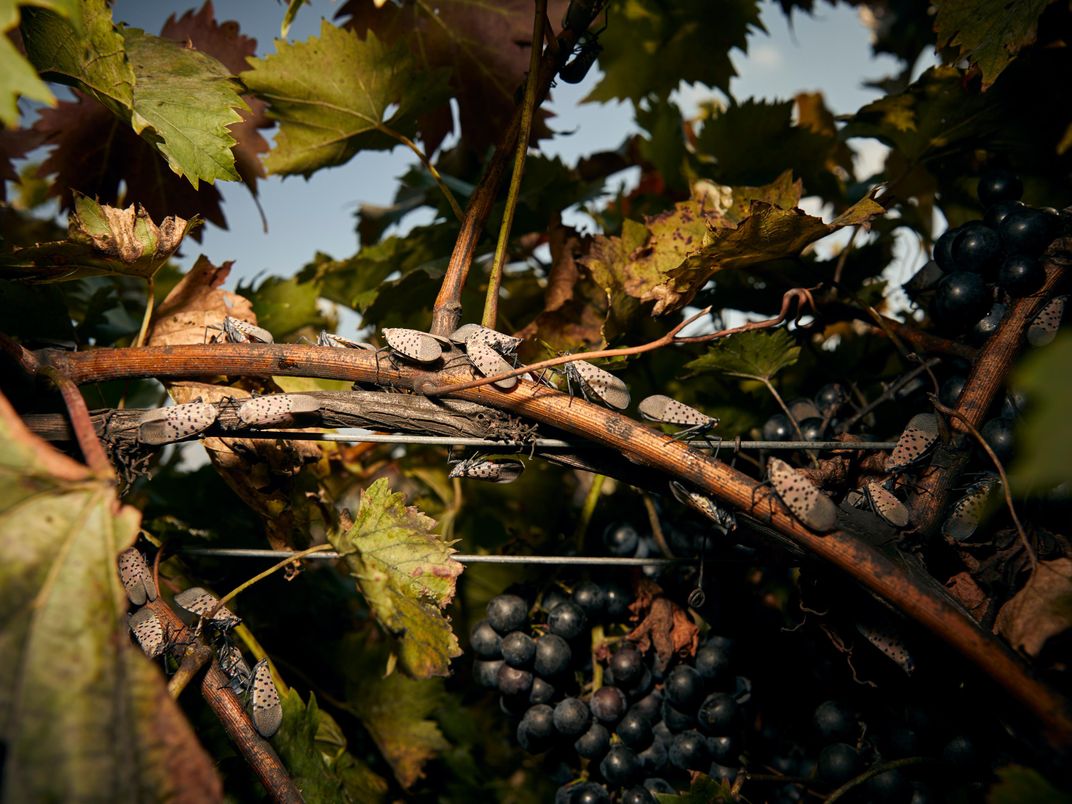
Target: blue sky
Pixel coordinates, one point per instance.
(829, 52)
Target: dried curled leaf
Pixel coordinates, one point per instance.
(1041, 610)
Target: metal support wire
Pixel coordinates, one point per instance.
(463, 558)
(544, 443)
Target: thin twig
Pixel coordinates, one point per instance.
(1001, 473)
(888, 394)
(150, 303)
(883, 324)
(491, 300)
(876, 770)
(84, 432)
(436, 177)
(320, 548)
(781, 403)
(591, 500)
(656, 526)
(461, 558)
(844, 255)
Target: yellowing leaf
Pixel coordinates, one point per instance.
(407, 576)
(83, 714)
(18, 79)
(1042, 609)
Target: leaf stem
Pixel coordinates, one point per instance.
(150, 304)
(436, 176)
(320, 548)
(590, 501)
(84, 432)
(528, 108)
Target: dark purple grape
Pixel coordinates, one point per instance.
(803, 408)
(689, 751)
(620, 766)
(723, 773)
(553, 656)
(1021, 275)
(997, 185)
(608, 704)
(618, 600)
(889, 787)
(999, 434)
(487, 673)
(778, 428)
(926, 278)
(518, 649)
(485, 641)
(676, 720)
(567, 620)
(962, 299)
(1027, 231)
(961, 753)
(642, 687)
(812, 428)
(627, 664)
(684, 687)
(650, 706)
(943, 251)
(594, 743)
(838, 763)
(637, 795)
(513, 681)
(723, 748)
(657, 785)
(1014, 405)
(590, 597)
(654, 758)
(621, 539)
(977, 248)
(572, 717)
(554, 595)
(718, 713)
(988, 324)
(582, 793)
(540, 720)
(998, 212)
(634, 730)
(831, 397)
(835, 723)
(951, 389)
(542, 692)
(507, 613)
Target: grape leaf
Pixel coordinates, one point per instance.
(374, 101)
(18, 79)
(100, 240)
(396, 711)
(406, 574)
(1041, 610)
(71, 680)
(1019, 785)
(988, 33)
(1043, 438)
(314, 750)
(283, 306)
(703, 790)
(759, 354)
(650, 47)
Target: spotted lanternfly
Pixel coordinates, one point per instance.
(915, 442)
(264, 411)
(136, 576)
(339, 342)
(235, 668)
(478, 468)
(588, 50)
(890, 644)
(414, 344)
(264, 701)
(149, 631)
(596, 382)
(235, 330)
(487, 361)
(886, 504)
(504, 344)
(704, 505)
(197, 601)
(968, 512)
(1044, 326)
(666, 410)
(802, 497)
(166, 425)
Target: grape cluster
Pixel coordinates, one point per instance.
(635, 724)
(816, 417)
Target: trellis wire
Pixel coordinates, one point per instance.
(462, 558)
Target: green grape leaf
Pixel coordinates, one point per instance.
(1019, 785)
(703, 790)
(323, 123)
(100, 240)
(664, 147)
(313, 747)
(71, 680)
(649, 47)
(1043, 437)
(396, 711)
(18, 79)
(988, 33)
(407, 576)
(757, 355)
(283, 306)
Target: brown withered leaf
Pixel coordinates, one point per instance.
(1042, 609)
(968, 593)
(485, 46)
(668, 629)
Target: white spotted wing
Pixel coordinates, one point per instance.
(601, 384)
(802, 497)
(1043, 327)
(886, 505)
(418, 346)
(492, 471)
(915, 442)
(969, 511)
(667, 410)
(264, 701)
(200, 602)
(488, 362)
(136, 576)
(166, 425)
(264, 411)
(148, 630)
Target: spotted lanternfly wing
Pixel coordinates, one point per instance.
(136, 576)
(488, 362)
(601, 384)
(414, 344)
(264, 411)
(968, 512)
(802, 497)
(886, 504)
(505, 344)
(704, 505)
(1044, 326)
(197, 601)
(890, 644)
(264, 701)
(665, 409)
(915, 442)
(148, 630)
(339, 342)
(492, 471)
(235, 668)
(166, 425)
(239, 331)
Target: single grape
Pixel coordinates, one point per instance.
(627, 664)
(487, 672)
(572, 717)
(838, 763)
(977, 248)
(812, 428)
(804, 408)
(961, 753)
(567, 620)
(718, 713)
(554, 595)
(531, 743)
(831, 397)
(650, 706)
(676, 720)
(778, 428)
(634, 730)
(723, 748)
(485, 641)
(923, 280)
(553, 656)
(621, 539)
(637, 795)
(950, 390)
(507, 613)
(835, 723)
(1000, 435)
(888, 788)
(582, 793)
(639, 689)
(542, 691)
(590, 597)
(962, 299)
(518, 649)
(608, 704)
(620, 766)
(684, 687)
(513, 681)
(722, 773)
(654, 758)
(999, 185)
(657, 785)
(594, 743)
(943, 251)
(988, 324)
(1021, 275)
(689, 751)
(540, 720)
(1027, 231)
(998, 212)
(618, 600)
